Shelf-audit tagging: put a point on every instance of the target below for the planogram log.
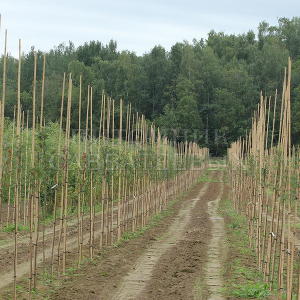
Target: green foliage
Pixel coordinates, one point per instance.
(107, 159)
(209, 86)
(254, 291)
(11, 228)
(243, 280)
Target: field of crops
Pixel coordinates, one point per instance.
(264, 170)
(165, 220)
(68, 187)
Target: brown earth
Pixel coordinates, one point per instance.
(7, 250)
(175, 267)
(174, 273)
(101, 280)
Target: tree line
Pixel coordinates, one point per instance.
(204, 90)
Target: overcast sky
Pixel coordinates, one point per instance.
(136, 25)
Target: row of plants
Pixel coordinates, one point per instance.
(264, 168)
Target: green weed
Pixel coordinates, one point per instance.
(11, 228)
(257, 290)
(250, 281)
(104, 274)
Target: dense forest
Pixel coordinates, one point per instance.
(204, 91)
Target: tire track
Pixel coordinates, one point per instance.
(23, 268)
(213, 268)
(135, 281)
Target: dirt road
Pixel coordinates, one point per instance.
(179, 259)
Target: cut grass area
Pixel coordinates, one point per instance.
(216, 169)
(218, 161)
(242, 279)
(206, 177)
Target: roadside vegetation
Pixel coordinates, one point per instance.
(242, 279)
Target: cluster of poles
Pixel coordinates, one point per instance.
(82, 191)
(265, 174)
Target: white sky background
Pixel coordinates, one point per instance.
(136, 25)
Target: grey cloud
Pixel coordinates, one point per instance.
(135, 24)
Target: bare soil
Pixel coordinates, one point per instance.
(163, 263)
(104, 280)
(166, 262)
(153, 267)
(176, 272)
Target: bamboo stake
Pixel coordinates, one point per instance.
(66, 171)
(17, 187)
(79, 212)
(91, 180)
(11, 159)
(120, 174)
(43, 92)
(32, 278)
(57, 182)
(2, 122)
